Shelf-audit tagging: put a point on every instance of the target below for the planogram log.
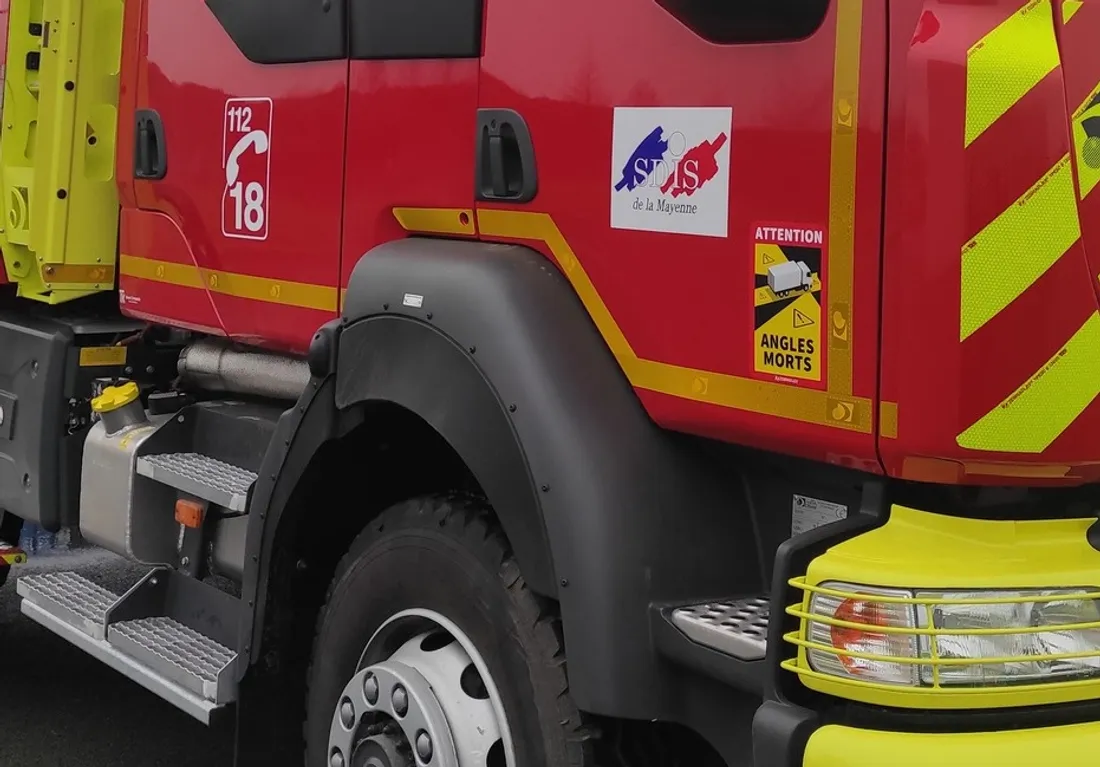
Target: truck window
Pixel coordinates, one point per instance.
(416, 29)
(285, 31)
(749, 21)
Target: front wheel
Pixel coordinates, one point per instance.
(431, 651)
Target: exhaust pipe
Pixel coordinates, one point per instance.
(216, 364)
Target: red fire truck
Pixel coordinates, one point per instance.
(517, 382)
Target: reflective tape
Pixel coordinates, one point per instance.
(1042, 408)
(1007, 63)
(1018, 247)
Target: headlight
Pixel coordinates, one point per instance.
(971, 638)
(1058, 620)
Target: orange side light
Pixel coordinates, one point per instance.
(189, 513)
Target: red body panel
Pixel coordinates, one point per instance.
(685, 300)
(411, 129)
(303, 185)
(940, 195)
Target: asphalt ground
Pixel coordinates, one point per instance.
(59, 707)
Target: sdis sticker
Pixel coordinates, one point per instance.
(670, 169)
(789, 269)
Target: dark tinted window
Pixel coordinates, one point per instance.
(416, 29)
(284, 31)
(749, 21)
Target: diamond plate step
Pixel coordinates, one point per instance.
(737, 627)
(200, 475)
(70, 598)
(181, 665)
(192, 660)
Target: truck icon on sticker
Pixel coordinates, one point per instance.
(789, 276)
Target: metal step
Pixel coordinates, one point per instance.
(200, 475)
(11, 555)
(738, 628)
(181, 665)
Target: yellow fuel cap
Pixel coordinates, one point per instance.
(115, 397)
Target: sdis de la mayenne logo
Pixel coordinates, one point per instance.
(671, 169)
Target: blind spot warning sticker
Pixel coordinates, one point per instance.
(788, 287)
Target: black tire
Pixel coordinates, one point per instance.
(447, 554)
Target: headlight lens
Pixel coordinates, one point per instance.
(1050, 615)
(1024, 640)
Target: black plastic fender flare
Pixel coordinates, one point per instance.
(490, 345)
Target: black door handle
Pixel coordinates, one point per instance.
(150, 152)
(505, 157)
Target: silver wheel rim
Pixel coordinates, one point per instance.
(424, 691)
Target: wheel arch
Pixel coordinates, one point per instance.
(586, 487)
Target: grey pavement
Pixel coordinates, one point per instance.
(61, 708)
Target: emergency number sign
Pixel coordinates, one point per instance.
(246, 160)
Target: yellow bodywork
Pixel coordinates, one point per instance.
(57, 150)
(917, 550)
(1070, 746)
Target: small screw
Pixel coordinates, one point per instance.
(185, 561)
(385, 307)
(564, 582)
(546, 488)
(512, 408)
(70, 85)
(473, 350)
(62, 194)
(429, 315)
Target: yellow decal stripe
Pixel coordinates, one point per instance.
(1087, 147)
(764, 397)
(1018, 247)
(888, 420)
(1070, 9)
(78, 274)
(842, 193)
(1006, 64)
(436, 220)
(281, 292)
(1035, 414)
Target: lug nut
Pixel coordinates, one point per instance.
(347, 714)
(370, 689)
(400, 701)
(424, 746)
(337, 759)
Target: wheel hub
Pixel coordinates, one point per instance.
(431, 703)
(381, 751)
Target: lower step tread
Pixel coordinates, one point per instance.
(736, 627)
(173, 643)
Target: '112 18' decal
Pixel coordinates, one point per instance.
(246, 158)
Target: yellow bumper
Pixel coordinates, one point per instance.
(1075, 745)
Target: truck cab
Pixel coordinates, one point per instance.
(493, 383)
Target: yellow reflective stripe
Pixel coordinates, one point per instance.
(842, 193)
(1070, 9)
(1039, 411)
(888, 420)
(1010, 254)
(1087, 147)
(436, 220)
(1006, 64)
(282, 292)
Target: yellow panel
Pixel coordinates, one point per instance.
(57, 148)
(918, 550)
(888, 420)
(1018, 247)
(1073, 745)
(436, 220)
(1042, 408)
(1006, 64)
